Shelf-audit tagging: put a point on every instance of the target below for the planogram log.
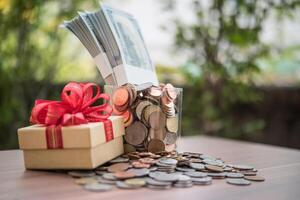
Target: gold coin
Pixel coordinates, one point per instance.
(135, 182)
(172, 124)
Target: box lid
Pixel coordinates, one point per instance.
(78, 136)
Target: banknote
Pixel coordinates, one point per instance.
(114, 40)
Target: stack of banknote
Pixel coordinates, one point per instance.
(113, 38)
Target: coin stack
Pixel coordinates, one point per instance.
(150, 114)
(164, 170)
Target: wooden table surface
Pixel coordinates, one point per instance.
(280, 167)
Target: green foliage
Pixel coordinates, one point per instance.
(29, 50)
(224, 44)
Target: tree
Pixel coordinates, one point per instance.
(30, 49)
(224, 45)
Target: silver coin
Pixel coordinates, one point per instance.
(109, 176)
(167, 177)
(156, 187)
(155, 182)
(238, 181)
(154, 174)
(185, 169)
(227, 169)
(97, 187)
(170, 138)
(168, 161)
(243, 167)
(152, 169)
(105, 181)
(217, 175)
(197, 166)
(203, 156)
(234, 175)
(123, 185)
(139, 172)
(179, 185)
(213, 162)
(183, 178)
(202, 181)
(164, 165)
(196, 174)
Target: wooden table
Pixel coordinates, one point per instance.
(280, 167)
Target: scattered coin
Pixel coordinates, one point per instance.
(168, 161)
(196, 174)
(137, 182)
(123, 175)
(185, 169)
(243, 167)
(158, 183)
(254, 178)
(214, 168)
(140, 172)
(217, 175)
(118, 167)
(234, 175)
(197, 166)
(109, 176)
(238, 181)
(202, 181)
(123, 185)
(156, 187)
(162, 170)
(97, 187)
(166, 177)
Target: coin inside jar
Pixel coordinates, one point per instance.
(156, 145)
(172, 124)
(120, 96)
(155, 91)
(136, 133)
(157, 120)
(140, 107)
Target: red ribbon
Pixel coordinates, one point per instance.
(74, 108)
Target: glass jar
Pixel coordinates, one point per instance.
(152, 115)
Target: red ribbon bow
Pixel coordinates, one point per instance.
(74, 108)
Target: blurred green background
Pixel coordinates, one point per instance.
(238, 62)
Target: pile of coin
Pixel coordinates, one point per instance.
(151, 116)
(164, 170)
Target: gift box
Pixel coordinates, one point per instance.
(72, 133)
(83, 146)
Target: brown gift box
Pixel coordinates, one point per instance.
(84, 146)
